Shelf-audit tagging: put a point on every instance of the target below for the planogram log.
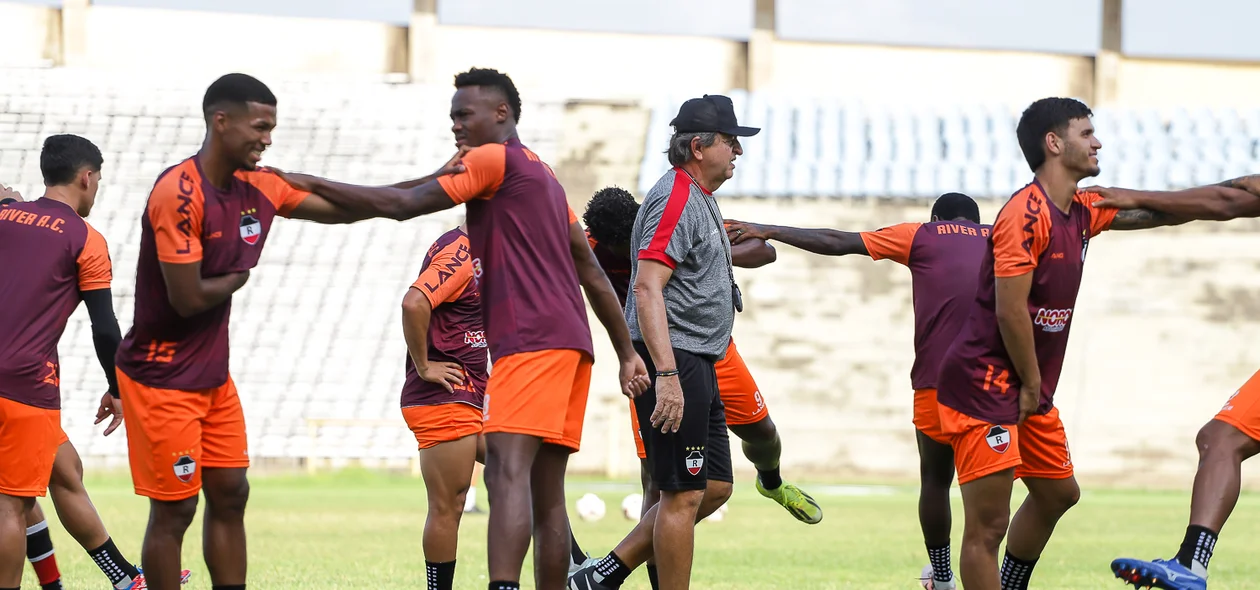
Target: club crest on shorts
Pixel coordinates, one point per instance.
(694, 462)
(185, 468)
(251, 229)
(999, 439)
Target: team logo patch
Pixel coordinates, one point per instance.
(999, 439)
(1053, 320)
(251, 229)
(185, 468)
(694, 462)
(476, 339)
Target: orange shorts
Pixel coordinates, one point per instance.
(434, 425)
(172, 434)
(736, 387)
(541, 393)
(927, 418)
(29, 437)
(738, 391)
(1242, 410)
(1037, 448)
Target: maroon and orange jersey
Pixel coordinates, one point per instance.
(518, 227)
(188, 220)
(944, 261)
(1031, 234)
(456, 332)
(616, 267)
(51, 256)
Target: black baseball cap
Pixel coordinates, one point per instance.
(710, 113)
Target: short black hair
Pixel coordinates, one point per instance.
(610, 216)
(1048, 115)
(489, 78)
(951, 206)
(236, 90)
(64, 156)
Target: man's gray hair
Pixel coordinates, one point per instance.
(680, 145)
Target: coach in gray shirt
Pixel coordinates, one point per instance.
(680, 312)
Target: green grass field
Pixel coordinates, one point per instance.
(362, 530)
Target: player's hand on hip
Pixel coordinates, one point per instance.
(110, 406)
(738, 231)
(668, 414)
(634, 377)
(8, 192)
(1113, 198)
(448, 375)
(1029, 399)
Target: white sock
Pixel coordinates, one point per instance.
(470, 501)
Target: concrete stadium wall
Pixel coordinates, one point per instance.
(1162, 336)
(911, 75)
(32, 35)
(154, 40)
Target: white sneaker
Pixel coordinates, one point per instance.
(925, 579)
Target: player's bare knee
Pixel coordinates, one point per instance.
(681, 501)
(718, 492)
(229, 497)
(760, 432)
(173, 516)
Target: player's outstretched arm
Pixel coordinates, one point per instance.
(190, 294)
(828, 242)
(332, 202)
(634, 377)
(1232, 199)
(752, 253)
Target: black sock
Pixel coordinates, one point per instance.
(770, 478)
(579, 556)
(14, 588)
(1016, 572)
(113, 564)
(939, 558)
(505, 586)
(611, 571)
(652, 577)
(441, 575)
(1197, 546)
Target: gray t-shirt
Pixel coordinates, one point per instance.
(681, 226)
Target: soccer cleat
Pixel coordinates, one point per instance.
(586, 578)
(1167, 574)
(574, 567)
(929, 583)
(797, 502)
(139, 583)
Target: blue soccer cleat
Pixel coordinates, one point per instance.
(1168, 574)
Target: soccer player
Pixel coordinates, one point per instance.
(203, 229)
(1229, 438)
(609, 219)
(54, 260)
(943, 256)
(447, 370)
(998, 377)
(529, 255)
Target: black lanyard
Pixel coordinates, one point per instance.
(737, 299)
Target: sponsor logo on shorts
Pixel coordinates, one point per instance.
(999, 439)
(695, 460)
(185, 468)
(476, 268)
(476, 338)
(1053, 320)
